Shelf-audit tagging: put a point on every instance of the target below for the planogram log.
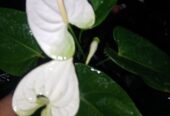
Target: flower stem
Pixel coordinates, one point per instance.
(102, 62)
(80, 35)
(76, 41)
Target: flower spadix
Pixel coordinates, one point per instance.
(49, 19)
(53, 84)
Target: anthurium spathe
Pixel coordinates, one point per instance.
(53, 84)
(49, 20)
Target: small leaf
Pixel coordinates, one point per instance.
(101, 96)
(102, 8)
(137, 55)
(19, 51)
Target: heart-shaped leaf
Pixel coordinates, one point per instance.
(18, 49)
(101, 96)
(137, 55)
(102, 8)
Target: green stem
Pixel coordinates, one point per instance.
(80, 35)
(102, 62)
(76, 41)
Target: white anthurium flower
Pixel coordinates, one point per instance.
(53, 84)
(49, 19)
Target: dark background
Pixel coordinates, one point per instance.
(150, 19)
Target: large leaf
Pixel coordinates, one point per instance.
(101, 96)
(18, 49)
(137, 55)
(102, 8)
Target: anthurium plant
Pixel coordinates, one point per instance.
(43, 46)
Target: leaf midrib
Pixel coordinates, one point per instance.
(148, 67)
(138, 63)
(21, 61)
(87, 102)
(26, 46)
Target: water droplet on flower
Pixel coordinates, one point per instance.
(15, 108)
(58, 57)
(61, 58)
(50, 68)
(30, 99)
(47, 92)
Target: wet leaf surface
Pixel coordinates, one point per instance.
(102, 8)
(137, 55)
(101, 96)
(19, 50)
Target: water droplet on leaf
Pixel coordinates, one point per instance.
(94, 70)
(101, 1)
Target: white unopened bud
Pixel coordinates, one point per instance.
(93, 48)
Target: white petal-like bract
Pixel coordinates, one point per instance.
(46, 19)
(80, 13)
(57, 82)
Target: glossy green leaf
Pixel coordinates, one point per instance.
(19, 51)
(102, 8)
(101, 96)
(139, 56)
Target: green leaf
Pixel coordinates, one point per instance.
(139, 56)
(102, 8)
(101, 96)
(19, 51)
